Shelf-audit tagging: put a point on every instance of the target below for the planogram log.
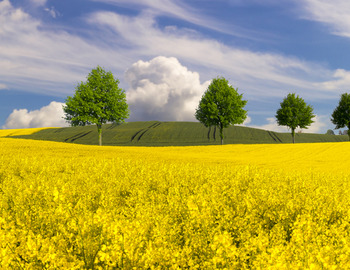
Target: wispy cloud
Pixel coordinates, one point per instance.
(52, 11)
(340, 81)
(37, 59)
(180, 9)
(264, 74)
(38, 2)
(335, 14)
(320, 122)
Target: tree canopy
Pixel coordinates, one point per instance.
(341, 114)
(330, 132)
(221, 106)
(294, 113)
(97, 101)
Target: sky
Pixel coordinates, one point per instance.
(166, 52)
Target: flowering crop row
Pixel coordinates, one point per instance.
(65, 206)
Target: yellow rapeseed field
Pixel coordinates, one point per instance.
(66, 206)
(18, 132)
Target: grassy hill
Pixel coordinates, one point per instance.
(154, 133)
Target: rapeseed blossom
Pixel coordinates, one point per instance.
(65, 206)
(19, 132)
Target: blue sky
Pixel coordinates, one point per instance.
(165, 52)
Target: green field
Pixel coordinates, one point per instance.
(154, 133)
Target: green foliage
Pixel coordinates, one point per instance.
(221, 106)
(330, 132)
(294, 113)
(341, 114)
(97, 101)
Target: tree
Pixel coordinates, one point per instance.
(330, 132)
(221, 106)
(341, 114)
(97, 101)
(294, 113)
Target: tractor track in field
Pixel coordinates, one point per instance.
(138, 135)
(274, 136)
(77, 136)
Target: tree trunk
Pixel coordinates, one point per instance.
(293, 134)
(99, 130)
(222, 134)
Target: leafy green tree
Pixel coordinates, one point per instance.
(221, 106)
(341, 114)
(330, 132)
(97, 101)
(294, 113)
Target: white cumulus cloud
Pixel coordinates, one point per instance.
(246, 121)
(321, 122)
(163, 89)
(271, 126)
(48, 116)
